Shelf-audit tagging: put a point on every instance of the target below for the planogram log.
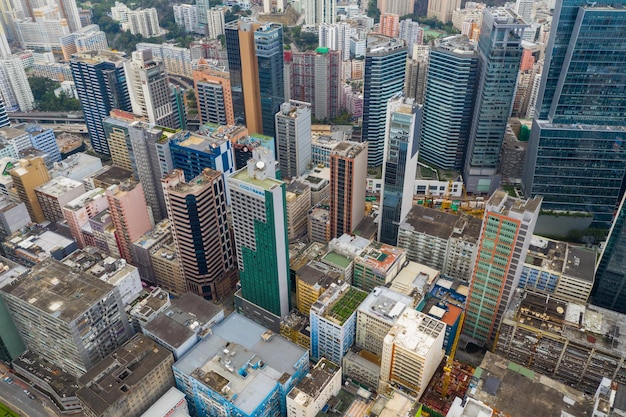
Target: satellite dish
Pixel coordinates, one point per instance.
(260, 165)
(560, 310)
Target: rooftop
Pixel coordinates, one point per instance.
(202, 143)
(440, 224)
(416, 332)
(158, 233)
(317, 273)
(589, 326)
(120, 373)
(317, 379)
(501, 202)
(265, 183)
(349, 149)
(242, 360)
(561, 257)
(147, 308)
(64, 384)
(187, 315)
(380, 256)
(114, 175)
(520, 392)
(338, 302)
(94, 57)
(58, 290)
(99, 264)
(385, 304)
(85, 199)
(58, 186)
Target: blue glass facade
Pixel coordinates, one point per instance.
(101, 86)
(268, 41)
(576, 151)
(500, 50)
(403, 122)
(192, 157)
(609, 289)
(385, 63)
(449, 103)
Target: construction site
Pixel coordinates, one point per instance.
(446, 385)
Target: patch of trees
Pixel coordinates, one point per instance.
(45, 100)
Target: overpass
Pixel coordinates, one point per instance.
(48, 117)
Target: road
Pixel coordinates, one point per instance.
(13, 396)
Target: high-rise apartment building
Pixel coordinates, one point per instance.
(215, 22)
(442, 9)
(101, 86)
(149, 90)
(53, 304)
(318, 12)
(128, 209)
(348, 174)
(399, 7)
(43, 139)
(144, 22)
(293, 138)
(508, 224)
(78, 212)
(30, 174)
(412, 33)
(260, 229)
(4, 118)
(255, 62)
(576, 140)
(385, 60)
(197, 213)
(55, 194)
(401, 149)
(390, 25)
(186, 15)
(412, 352)
(144, 138)
(416, 72)
(500, 51)
(68, 10)
(116, 132)
(316, 79)
(14, 78)
(213, 94)
(336, 37)
(449, 102)
(177, 60)
(89, 38)
(147, 375)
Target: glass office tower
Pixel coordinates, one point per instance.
(576, 157)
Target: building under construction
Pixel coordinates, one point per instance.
(569, 342)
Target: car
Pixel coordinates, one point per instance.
(8, 380)
(27, 392)
(31, 396)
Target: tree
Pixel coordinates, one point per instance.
(45, 100)
(372, 11)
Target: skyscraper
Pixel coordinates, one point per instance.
(260, 228)
(508, 225)
(101, 87)
(401, 145)
(609, 287)
(197, 213)
(12, 70)
(348, 174)
(316, 79)
(500, 51)
(255, 62)
(149, 90)
(4, 118)
(449, 102)
(293, 138)
(576, 155)
(213, 94)
(385, 60)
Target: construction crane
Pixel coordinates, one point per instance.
(447, 369)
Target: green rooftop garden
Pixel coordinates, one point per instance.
(336, 259)
(347, 304)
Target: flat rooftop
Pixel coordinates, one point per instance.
(380, 256)
(416, 332)
(159, 232)
(440, 224)
(113, 176)
(349, 149)
(414, 277)
(333, 258)
(202, 143)
(265, 184)
(312, 386)
(237, 345)
(317, 273)
(385, 304)
(121, 372)
(58, 186)
(86, 198)
(519, 392)
(59, 291)
(339, 302)
(63, 384)
(185, 317)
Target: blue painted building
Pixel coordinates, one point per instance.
(44, 140)
(241, 369)
(192, 153)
